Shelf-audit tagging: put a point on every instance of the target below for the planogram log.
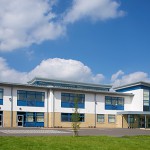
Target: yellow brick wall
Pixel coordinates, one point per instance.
(45, 119)
(106, 124)
(119, 121)
(15, 119)
(6, 119)
(89, 122)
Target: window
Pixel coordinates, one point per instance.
(39, 117)
(30, 98)
(1, 96)
(111, 118)
(67, 117)
(30, 117)
(130, 118)
(68, 100)
(100, 118)
(146, 100)
(107, 100)
(120, 101)
(114, 103)
(146, 94)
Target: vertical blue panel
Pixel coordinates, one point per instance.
(1, 101)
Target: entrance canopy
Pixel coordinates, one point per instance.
(134, 112)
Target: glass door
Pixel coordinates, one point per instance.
(142, 122)
(20, 119)
(1, 120)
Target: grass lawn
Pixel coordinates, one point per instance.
(75, 143)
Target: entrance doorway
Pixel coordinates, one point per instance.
(142, 122)
(20, 119)
(1, 120)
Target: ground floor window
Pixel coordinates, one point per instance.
(111, 118)
(67, 117)
(130, 118)
(1, 118)
(30, 119)
(100, 118)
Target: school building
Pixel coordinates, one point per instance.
(50, 103)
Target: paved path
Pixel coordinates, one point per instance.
(68, 132)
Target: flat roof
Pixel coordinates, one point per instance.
(70, 84)
(143, 83)
(64, 88)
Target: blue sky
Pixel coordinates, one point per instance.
(100, 41)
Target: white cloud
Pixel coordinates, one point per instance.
(8, 74)
(130, 78)
(116, 75)
(27, 22)
(51, 68)
(24, 22)
(93, 9)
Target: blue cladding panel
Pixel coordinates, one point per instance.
(108, 107)
(133, 88)
(30, 103)
(71, 105)
(21, 103)
(112, 107)
(1, 101)
(120, 107)
(34, 124)
(39, 104)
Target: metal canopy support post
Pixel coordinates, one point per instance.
(145, 121)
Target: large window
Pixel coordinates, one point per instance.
(130, 118)
(68, 100)
(32, 119)
(146, 100)
(111, 118)
(67, 117)
(114, 103)
(100, 118)
(1, 96)
(30, 98)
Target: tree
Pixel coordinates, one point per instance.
(75, 119)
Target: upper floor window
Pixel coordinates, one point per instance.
(114, 103)
(146, 100)
(1, 96)
(69, 100)
(30, 98)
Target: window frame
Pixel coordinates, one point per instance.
(103, 118)
(69, 117)
(28, 98)
(110, 117)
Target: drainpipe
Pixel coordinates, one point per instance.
(95, 107)
(11, 113)
(53, 98)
